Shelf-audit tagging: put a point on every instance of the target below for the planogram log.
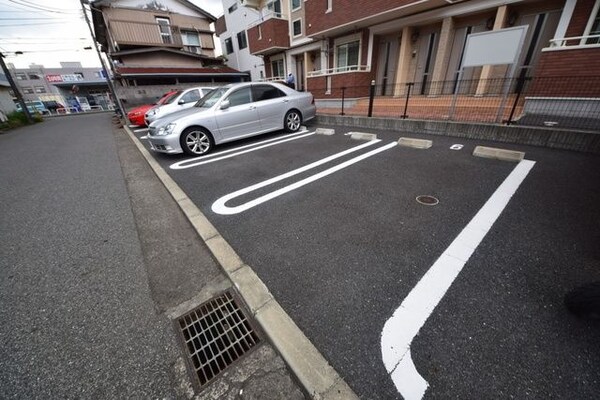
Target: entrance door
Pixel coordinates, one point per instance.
(300, 73)
(386, 64)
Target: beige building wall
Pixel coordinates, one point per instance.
(160, 59)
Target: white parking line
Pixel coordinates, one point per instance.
(209, 158)
(219, 206)
(141, 130)
(400, 330)
(144, 137)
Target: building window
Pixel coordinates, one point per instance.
(295, 4)
(164, 28)
(21, 76)
(28, 90)
(242, 41)
(347, 56)
(191, 41)
(228, 45)
(277, 69)
(34, 76)
(593, 26)
(275, 7)
(232, 8)
(297, 27)
(40, 89)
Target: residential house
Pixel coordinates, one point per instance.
(231, 30)
(155, 46)
(335, 44)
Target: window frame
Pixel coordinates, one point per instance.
(232, 8)
(277, 61)
(344, 41)
(594, 15)
(229, 44)
(21, 76)
(40, 89)
(28, 90)
(295, 8)
(257, 87)
(245, 40)
(301, 30)
(162, 34)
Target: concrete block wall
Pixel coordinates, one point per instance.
(534, 136)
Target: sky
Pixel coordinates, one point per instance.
(48, 32)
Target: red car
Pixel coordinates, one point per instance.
(136, 116)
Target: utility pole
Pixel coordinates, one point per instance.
(120, 109)
(15, 90)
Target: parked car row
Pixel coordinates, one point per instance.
(194, 120)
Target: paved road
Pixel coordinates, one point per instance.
(341, 253)
(77, 315)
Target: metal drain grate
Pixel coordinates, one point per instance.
(216, 334)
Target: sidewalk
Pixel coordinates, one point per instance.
(96, 259)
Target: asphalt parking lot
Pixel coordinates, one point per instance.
(331, 226)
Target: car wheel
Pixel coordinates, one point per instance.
(196, 141)
(292, 121)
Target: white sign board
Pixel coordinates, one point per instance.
(494, 47)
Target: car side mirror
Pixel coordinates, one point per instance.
(181, 102)
(224, 104)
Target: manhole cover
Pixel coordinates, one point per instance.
(216, 334)
(427, 200)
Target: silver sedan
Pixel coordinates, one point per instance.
(230, 113)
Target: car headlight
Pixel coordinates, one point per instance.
(151, 112)
(166, 130)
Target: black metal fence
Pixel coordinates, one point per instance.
(561, 102)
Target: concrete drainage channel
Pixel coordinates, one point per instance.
(318, 379)
(220, 332)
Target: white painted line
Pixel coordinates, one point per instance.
(141, 130)
(132, 126)
(401, 328)
(456, 147)
(144, 137)
(219, 206)
(194, 162)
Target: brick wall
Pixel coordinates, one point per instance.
(275, 33)
(357, 84)
(580, 18)
(568, 73)
(345, 11)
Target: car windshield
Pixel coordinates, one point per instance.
(174, 97)
(211, 98)
(165, 98)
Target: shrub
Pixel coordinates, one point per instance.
(17, 119)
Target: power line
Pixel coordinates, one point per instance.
(28, 18)
(40, 5)
(40, 23)
(39, 8)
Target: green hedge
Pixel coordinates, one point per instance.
(17, 119)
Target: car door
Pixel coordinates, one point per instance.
(240, 119)
(271, 104)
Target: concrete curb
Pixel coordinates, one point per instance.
(362, 136)
(307, 364)
(498, 154)
(415, 143)
(535, 136)
(325, 131)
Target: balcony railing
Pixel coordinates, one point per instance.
(570, 42)
(266, 17)
(143, 33)
(339, 70)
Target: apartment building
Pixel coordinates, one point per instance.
(335, 44)
(231, 30)
(155, 46)
(69, 85)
